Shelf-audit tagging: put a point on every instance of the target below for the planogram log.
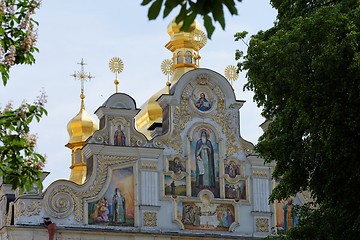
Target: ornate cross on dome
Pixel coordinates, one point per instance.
(231, 74)
(82, 76)
(116, 65)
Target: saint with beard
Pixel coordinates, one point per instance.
(204, 157)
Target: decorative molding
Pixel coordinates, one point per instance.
(202, 79)
(30, 209)
(64, 200)
(260, 173)
(262, 224)
(149, 165)
(150, 219)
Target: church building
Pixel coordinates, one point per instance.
(174, 168)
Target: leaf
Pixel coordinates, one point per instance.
(169, 6)
(230, 4)
(240, 35)
(208, 26)
(154, 10)
(188, 21)
(145, 2)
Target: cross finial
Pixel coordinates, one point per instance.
(116, 65)
(231, 74)
(167, 67)
(82, 76)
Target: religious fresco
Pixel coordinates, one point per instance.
(119, 136)
(177, 166)
(232, 169)
(204, 164)
(236, 190)
(174, 187)
(212, 216)
(286, 217)
(202, 103)
(116, 206)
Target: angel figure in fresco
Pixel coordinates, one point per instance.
(202, 103)
(204, 157)
(119, 137)
(118, 207)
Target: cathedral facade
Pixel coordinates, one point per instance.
(175, 168)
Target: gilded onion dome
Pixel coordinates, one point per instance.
(81, 126)
(185, 46)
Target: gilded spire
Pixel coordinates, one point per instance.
(80, 128)
(185, 46)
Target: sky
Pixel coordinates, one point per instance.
(96, 31)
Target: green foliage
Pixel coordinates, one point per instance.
(305, 73)
(20, 164)
(17, 34)
(210, 10)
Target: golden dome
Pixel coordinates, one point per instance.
(81, 126)
(174, 27)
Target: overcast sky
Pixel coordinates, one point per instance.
(98, 31)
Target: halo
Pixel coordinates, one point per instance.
(116, 65)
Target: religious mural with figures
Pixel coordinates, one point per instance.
(204, 161)
(212, 216)
(116, 206)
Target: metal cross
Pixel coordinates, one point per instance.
(82, 76)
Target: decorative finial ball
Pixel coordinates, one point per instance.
(116, 65)
(168, 84)
(82, 96)
(231, 73)
(167, 67)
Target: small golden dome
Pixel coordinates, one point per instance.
(173, 27)
(81, 126)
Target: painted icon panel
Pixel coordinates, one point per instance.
(116, 206)
(235, 191)
(205, 162)
(175, 187)
(202, 103)
(213, 217)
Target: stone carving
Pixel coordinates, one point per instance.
(150, 219)
(262, 225)
(202, 79)
(31, 209)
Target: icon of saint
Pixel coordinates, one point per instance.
(204, 157)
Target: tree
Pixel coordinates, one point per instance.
(17, 34)
(209, 9)
(20, 164)
(305, 74)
